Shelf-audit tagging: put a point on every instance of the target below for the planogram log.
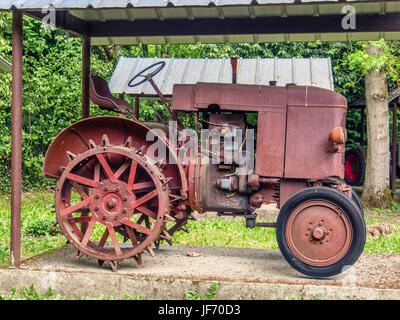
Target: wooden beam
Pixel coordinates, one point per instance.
(64, 21)
(231, 26)
(85, 77)
(16, 139)
(394, 148)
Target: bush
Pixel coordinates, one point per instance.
(42, 227)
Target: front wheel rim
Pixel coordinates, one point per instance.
(318, 233)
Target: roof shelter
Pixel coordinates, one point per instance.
(100, 22)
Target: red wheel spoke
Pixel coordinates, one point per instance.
(147, 212)
(97, 172)
(147, 222)
(114, 239)
(82, 180)
(82, 192)
(145, 198)
(132, 174)
(136, 226)
(121, 169)
(79, 219)
(131, 236)
(140, 220)
(88, 232)
(106, 167)
(77, 206)
(104, 238)
(142, 185)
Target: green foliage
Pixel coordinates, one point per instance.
(29, 293)
(42, 227)
(387, 60)
(196, 295)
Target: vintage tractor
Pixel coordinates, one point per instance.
(136, 184)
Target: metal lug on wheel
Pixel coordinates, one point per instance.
(185, 229)
(166, 234)
(140, 151)
(166, 180)
(169, 241)
(150, 251)
(78, 255)
(191, 217)
(52, 188)
(169, 218)
(92, 144)
(100, 263)
(138, 258)
(128, 142)
(71, 156)
(105, 141)
(114, 265)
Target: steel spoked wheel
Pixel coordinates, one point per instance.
(120, 195)
(320, 232)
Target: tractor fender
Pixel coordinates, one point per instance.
(77, 137)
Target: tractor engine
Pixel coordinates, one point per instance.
(220, 173)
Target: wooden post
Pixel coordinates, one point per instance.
(85, 97)
(362, 125)
(394, 147)
(85, 77)
(16, 140)
(137, 106)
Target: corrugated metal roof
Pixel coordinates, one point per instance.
(5, 66)
(72, 4)
(313, 72)
(149, 9)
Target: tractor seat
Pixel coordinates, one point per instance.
(100, 94)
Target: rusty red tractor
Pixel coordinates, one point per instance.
(113, 184)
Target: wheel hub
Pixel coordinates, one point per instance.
(318, 233)
(112, 202)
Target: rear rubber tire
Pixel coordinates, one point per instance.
(357, 200)
(352, 214)
(355, 167)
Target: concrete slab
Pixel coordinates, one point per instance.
(240, 274)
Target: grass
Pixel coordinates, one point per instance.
(196, 295)
(37, 217)
(383, 244)
(35, 207)
(223, 233)
(29, 293)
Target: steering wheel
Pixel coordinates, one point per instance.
(148, 76)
